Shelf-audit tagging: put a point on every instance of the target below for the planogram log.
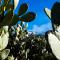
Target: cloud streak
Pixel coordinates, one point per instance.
(42, 29)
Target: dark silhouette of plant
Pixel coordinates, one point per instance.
(7, 16)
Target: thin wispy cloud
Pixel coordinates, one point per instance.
(42, 29)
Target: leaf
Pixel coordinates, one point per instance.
(16, 3)
(10, 6)
(10, 58)
(28, 17)
(15, 19)
(0, 0)
(48, 12)
(4, 54)
(4, 37)
(7, 18)
(1, 17)
(1, 9)
(23, 8)
(7, 1)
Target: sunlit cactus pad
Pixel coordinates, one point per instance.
(7, 16)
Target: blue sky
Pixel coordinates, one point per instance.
(41, 23)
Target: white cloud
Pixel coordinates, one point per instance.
(42, 29)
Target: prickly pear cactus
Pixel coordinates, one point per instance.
(7, 16)
(4, 54)
(7, 19)
(4, 37)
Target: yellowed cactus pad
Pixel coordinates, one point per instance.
(48, 12)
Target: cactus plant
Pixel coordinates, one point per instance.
(4, 54)
(4, 37)
(10, 18)
(10, 58)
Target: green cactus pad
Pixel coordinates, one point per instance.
(7, 18)
(28, 17)
(23, 8)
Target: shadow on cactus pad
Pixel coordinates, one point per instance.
(10, 18)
